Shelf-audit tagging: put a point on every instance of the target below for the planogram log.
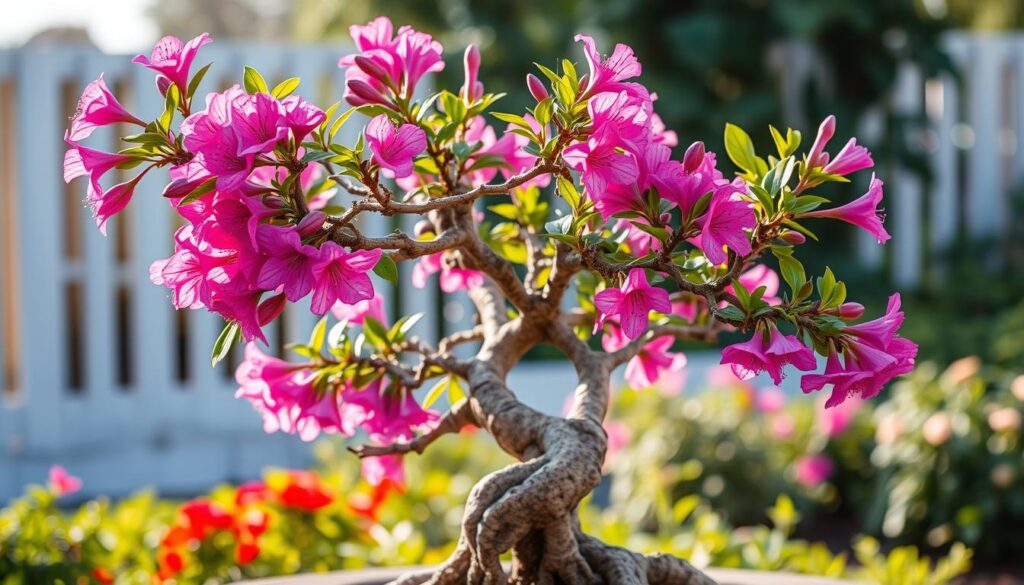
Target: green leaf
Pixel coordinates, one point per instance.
(567, 189)
(375, 332)
(196, 80)
(285, 88)
(253, 81)
(791, 268)
(740, 148)
(506, 210)
(559, 226)
(316, 338)
(203, 188)
(316, 155)
(225, 340)
(436, 391)
(387, 269)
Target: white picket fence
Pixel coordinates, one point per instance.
(97, 372)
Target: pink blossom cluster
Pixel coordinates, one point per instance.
(244, 250)
(628, 152)
(291, 400)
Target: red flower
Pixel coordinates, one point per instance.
(305, 491)
(246, 552)
(103, 575)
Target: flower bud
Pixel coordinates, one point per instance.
(360, 93)
(274, 202)
(162, 85)
(694, 157)
(472, 89)
(311, 223)
(179, 188)
(536, 87)
(849, 311)
(372, 68)
(791, 237)
(270, 309)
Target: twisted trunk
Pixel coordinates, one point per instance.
(529, 507)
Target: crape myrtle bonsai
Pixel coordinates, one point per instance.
(598, 242)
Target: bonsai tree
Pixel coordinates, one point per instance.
(599, 244)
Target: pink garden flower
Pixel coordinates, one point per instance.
(472, 89)
(754, 356)
(210, 135)
(63, 483)
(834, 421)
(301, 116)
(724, 225)
(283, 393)
(862, 212)
(356, 313)
(98, 107)
(452, 278)
(609, 74)
(290, 262)
(813, 470)
(387, 413)
(259, 122)
(107, 204)
(632, 303)
(817, 157)
(852, 158)
(173, 58)
(80, 161)
(600, 162)
(394, 149)
(654, 360)
(341, 276)
(377, 469)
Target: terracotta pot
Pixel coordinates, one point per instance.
(382, 576)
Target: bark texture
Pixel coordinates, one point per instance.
(529, 508)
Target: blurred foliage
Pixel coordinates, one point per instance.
(941, 461)
(937, 465)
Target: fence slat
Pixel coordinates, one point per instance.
(986, 201)
(907, 204)
(43, 314)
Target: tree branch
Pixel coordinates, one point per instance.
(451, 422)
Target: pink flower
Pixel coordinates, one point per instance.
(217, 144)
(63, 483)
(97, 107)
(395, 149)
(609, 74)
(813, 470)
(290, 262)
(283, 393)
(356, 313)
(472, 89)
(106, 204)
(601, 163)
(862, 212)
(654, 359)
(172, 58)
(754, 356)
(758, 276)
(452, 278)
(420, 54)
(301, 116)
(632, 303)
(388, 413)
(341, 276)
(258, 121)
(880, 332)
(817, 156)
(80, 161)
(852, 158)
(724, 224)
(376, 469)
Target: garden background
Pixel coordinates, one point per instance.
(100, 376)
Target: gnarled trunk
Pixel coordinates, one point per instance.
(529, 507)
